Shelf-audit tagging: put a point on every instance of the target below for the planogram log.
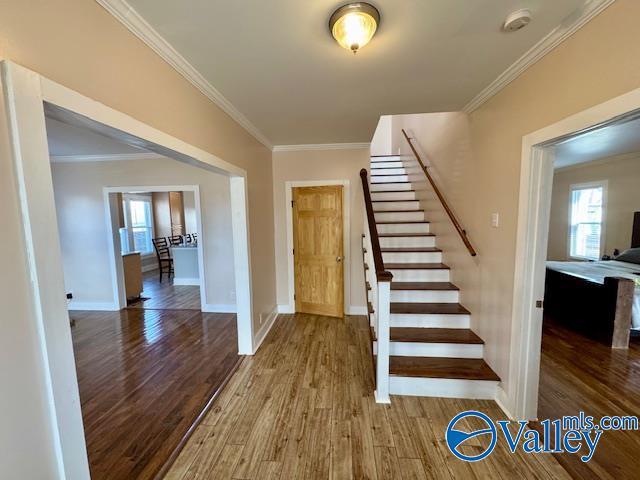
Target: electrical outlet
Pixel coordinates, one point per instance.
(232, 295)
(495, 220)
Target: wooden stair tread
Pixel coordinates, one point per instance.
(388, 174)
(392, 201)
(435, 335)
(428, 308)
(416, 266)
(388, 168)
(370, 308)
(401, 222)
(386, 183)
(423, 286)
(380, 156)
(442, 367)
(399, 235)
(410, 249)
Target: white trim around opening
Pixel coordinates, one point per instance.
(536, 181)
(346, 232)
(28, 96)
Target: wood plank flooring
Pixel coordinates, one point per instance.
(303, 407)
(579, 374)
(165, 295)
(144, 377)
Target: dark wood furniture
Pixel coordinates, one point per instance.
(601, 311)
(163, 254)
(175, 240)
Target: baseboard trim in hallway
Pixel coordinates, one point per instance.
(185, 438)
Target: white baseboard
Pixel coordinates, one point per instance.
(93, 306)
(266, 328)
(187, 281)
(219, 308)
(357, 310)
(502, 399)
(286, 309)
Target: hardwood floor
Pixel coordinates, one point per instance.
(144, 377)
(303, 407)
(166, 296)
(578, 374)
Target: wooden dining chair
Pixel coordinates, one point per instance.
(163, 253)
(176, 240)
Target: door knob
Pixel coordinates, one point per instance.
(338, 259)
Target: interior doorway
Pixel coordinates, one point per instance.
(537, 169)
(30, 98)
(318, 250)
(160, 226)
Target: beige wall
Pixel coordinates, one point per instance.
(597, 63)
(320, 165)
(80, 45)
(444, 144)
(623, 199)
(78, 189)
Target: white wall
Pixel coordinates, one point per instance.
(381, 143)
(320, 165)
(78, 189)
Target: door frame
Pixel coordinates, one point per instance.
(346, 238)
(28, 97)
(534, 211)
(115, 259)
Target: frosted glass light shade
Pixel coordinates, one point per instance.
(354, 25)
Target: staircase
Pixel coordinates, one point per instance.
(431, 349)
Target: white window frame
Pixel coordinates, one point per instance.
(583, 186)
(126, 198)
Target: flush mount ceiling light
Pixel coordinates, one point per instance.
(353, 25)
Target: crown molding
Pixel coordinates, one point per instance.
(106, 157)
(131, 19)
(568, 27)
(320, 146)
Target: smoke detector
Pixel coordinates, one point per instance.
(517, 20)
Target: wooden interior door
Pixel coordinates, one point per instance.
(318, 250)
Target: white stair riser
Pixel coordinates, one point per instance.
(410, 320)
(408, 196)
(443, 387)
(395, 164)
(440, 350)
(419, 275)
(388, 171)
(412, 257)
(403, 228)
(399, 216)
(391, 206)
(389, 179)
(381, 187)
(387, 158)
(425, 296)
(407, 242)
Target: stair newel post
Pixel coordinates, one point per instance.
(382, 333)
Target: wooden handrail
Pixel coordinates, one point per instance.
(381, 273)
(445, 205)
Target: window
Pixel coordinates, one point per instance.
(586, 217)
(138, 231)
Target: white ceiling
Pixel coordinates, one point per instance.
(600, 143)
(72, 141)
(277, 63)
